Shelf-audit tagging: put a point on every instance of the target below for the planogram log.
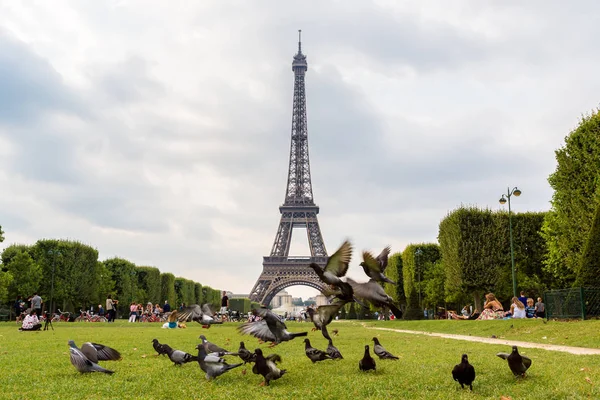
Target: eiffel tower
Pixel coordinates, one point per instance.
(298, 210)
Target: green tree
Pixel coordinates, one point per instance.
(124, 274)
(149, 282)
(394, 272)
(434, 285)
(352, 312)
(5, 279)
(105, 284)
(167, 289)
(28, 272)
(417, 259)
(1, 234)
(576, 196)
(587, 274)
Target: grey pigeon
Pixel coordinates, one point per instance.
(337, 265)
(323, 316)
(381, 352)
(180, 357)
(333, 352)
(267, 367)
(367, 363)
(314, 354)
(213, 348)
(212, 364)
(269, 329)
(373, 292)
(82, 363)
(245, 354)
(518, 363)
(202, 315)
(375, 267)
(161, 348)
(464, 373)
(98, 352)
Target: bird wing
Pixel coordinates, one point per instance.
(191, 312)
(526, 361)
(338, 262)
(207, 310)
(90, 352)
(105, 352)
(327, 312)
(503, 355)
(360, 289)
(79, 360)
(258, 329)
(371, 263)
(382, 258)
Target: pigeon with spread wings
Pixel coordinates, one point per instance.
(375, 267)
(82, 363)
(323, 316)
(269, 329)
(202, 315)
(374, 293)
(518, 363)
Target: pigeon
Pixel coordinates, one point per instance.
(323, 316)
(269, 329)
(464, 373)
(381, 352)
(245, 354)
(335, 268)
(367, 362)
(212, 364)
(374, 293)
(202, 315)
(333, 352)
(213, 348)
(375, 267)
(98, 352)
(82, 363)
(314, 354)
(335, 332)
(267, 367)
(518, 364)
(180, 357)
(161, 349)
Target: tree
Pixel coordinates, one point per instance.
(587, 273)
(434, 285)
(29, 273)
(124, 275)
(167, 289)
(1, 234)
(394, 272)
(149, 282)
(417, 259)
(575, 199)
(352, 311)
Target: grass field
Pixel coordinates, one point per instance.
(35, 365)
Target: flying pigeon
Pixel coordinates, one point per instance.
(367, 362)
(202, 315)
(335, 268)
(212, 364)
(161, 348)
(518, 364)
(180, 357)
(323, 316)
(267, 367)
(381, 352)
(374, 293)
(314, 354)
(245, 354)
(82, 363)
(333, 352)
(269, 329)
(375, 267)
(464, 373)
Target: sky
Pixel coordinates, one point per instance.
(159, 132)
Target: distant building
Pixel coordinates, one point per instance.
(282, 298)
(321, 300)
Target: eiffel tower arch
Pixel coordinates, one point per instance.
(298, 209)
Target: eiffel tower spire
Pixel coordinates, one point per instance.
(298, 209)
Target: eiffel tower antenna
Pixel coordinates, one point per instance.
(298, 209)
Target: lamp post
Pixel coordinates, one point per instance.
(418, 253)
(52, 253)
(503, 200)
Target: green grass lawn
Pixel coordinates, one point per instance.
(35, 365)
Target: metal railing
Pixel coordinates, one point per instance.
(581, 303)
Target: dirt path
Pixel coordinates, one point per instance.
(551, 347)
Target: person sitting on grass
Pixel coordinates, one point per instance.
(517, 309)
(540, 308)
(530, 309)
(492, 309)
(476, 313)
(31, 322)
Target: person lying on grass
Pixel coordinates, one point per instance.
(471, 317)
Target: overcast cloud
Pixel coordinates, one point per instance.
(160, 133)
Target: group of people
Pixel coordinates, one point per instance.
(34, 303)
(136, 311)
(520, 307)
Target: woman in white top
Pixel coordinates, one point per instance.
(517, 308)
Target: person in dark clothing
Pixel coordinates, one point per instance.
(18, 306)
(224, 306)
(167, 306)
(523, 298)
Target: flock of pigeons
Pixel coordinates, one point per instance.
(271, 328)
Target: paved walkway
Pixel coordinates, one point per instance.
(552, 347)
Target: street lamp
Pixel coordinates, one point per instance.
(52, 253)
(503, 200)
(418, 254)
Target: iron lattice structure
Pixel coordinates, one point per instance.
(298, 210)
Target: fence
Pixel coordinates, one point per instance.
(581, 303)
